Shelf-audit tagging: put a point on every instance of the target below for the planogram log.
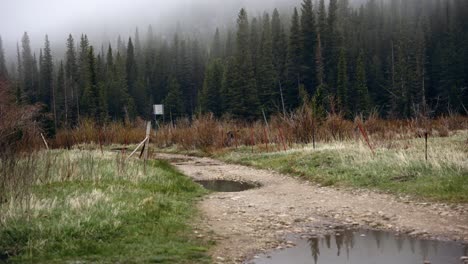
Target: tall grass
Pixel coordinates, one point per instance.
(82, 206)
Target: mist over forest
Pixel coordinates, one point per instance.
(396, 59)
(104, 20)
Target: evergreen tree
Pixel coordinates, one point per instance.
(61, 96)
(198, 67)
(72, 79)
(322, 18)
(362, 100)
(280, 47)
(216, 49)
(309, 39)
(131, 69)
(20, 84)
(90, 98)
(318, 100)
(136, 89)
(332, 45)
(244, 93)
(46, 93)
(342, 82)
(210, 97)
(173, 102)
(266, 79)
(27, 70)
(294, 62)
(3, 69)
(229, 85)
(83, 73)
(254, 41)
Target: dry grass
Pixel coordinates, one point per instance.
(206, 133)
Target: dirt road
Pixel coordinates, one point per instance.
(255, 221)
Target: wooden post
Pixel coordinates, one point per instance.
(252, 141)
(266, 138)
(136, 149)
(148, 131)
(425, 136)
(313, 132)
(45, 142)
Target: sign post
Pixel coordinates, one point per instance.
(158, 110)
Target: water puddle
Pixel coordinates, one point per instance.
(366, 247)
(226, 186)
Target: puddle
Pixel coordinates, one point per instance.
(226, 186)
(366, 247)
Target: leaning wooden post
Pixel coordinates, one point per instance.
(45, 142)
(148, 131)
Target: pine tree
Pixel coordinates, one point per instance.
(254, 41)
(230, 46)
(173, 103)
(61, 96)
(184, 77)
(90, 98)
(46, 93)
(228, 86)
(362, 100)
(72, 79)
(83, 73)
(216, 49)
(318, 99)
(210, 96)
(3, 69)
(342, 82)
(117, 85)
(322, 19)
(136, 90)
(309, 39)
(280, 48)
(131, 68)
(266, 80)
(19, 93)
(294, 63)
(332, 45)
(198, 67)
(244, 94)
(27, 70)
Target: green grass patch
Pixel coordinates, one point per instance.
(398, 168)
(90, 208)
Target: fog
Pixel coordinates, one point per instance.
(106, 19)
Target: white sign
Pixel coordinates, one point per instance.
(158, 109)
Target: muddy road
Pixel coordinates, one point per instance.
(245, 224)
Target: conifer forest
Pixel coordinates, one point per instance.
(398, 59)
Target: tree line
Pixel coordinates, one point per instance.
(397, 58)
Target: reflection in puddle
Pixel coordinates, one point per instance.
(226, 186)
(367, 247)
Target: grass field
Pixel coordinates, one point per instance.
(84, 206)
(398, 166)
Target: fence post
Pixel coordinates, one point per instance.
(45, 142)
(426, 136)
(148, 132)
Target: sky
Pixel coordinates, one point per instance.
(105, 19)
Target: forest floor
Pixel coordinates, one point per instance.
(245, 224)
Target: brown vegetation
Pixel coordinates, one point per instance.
(207, 133)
